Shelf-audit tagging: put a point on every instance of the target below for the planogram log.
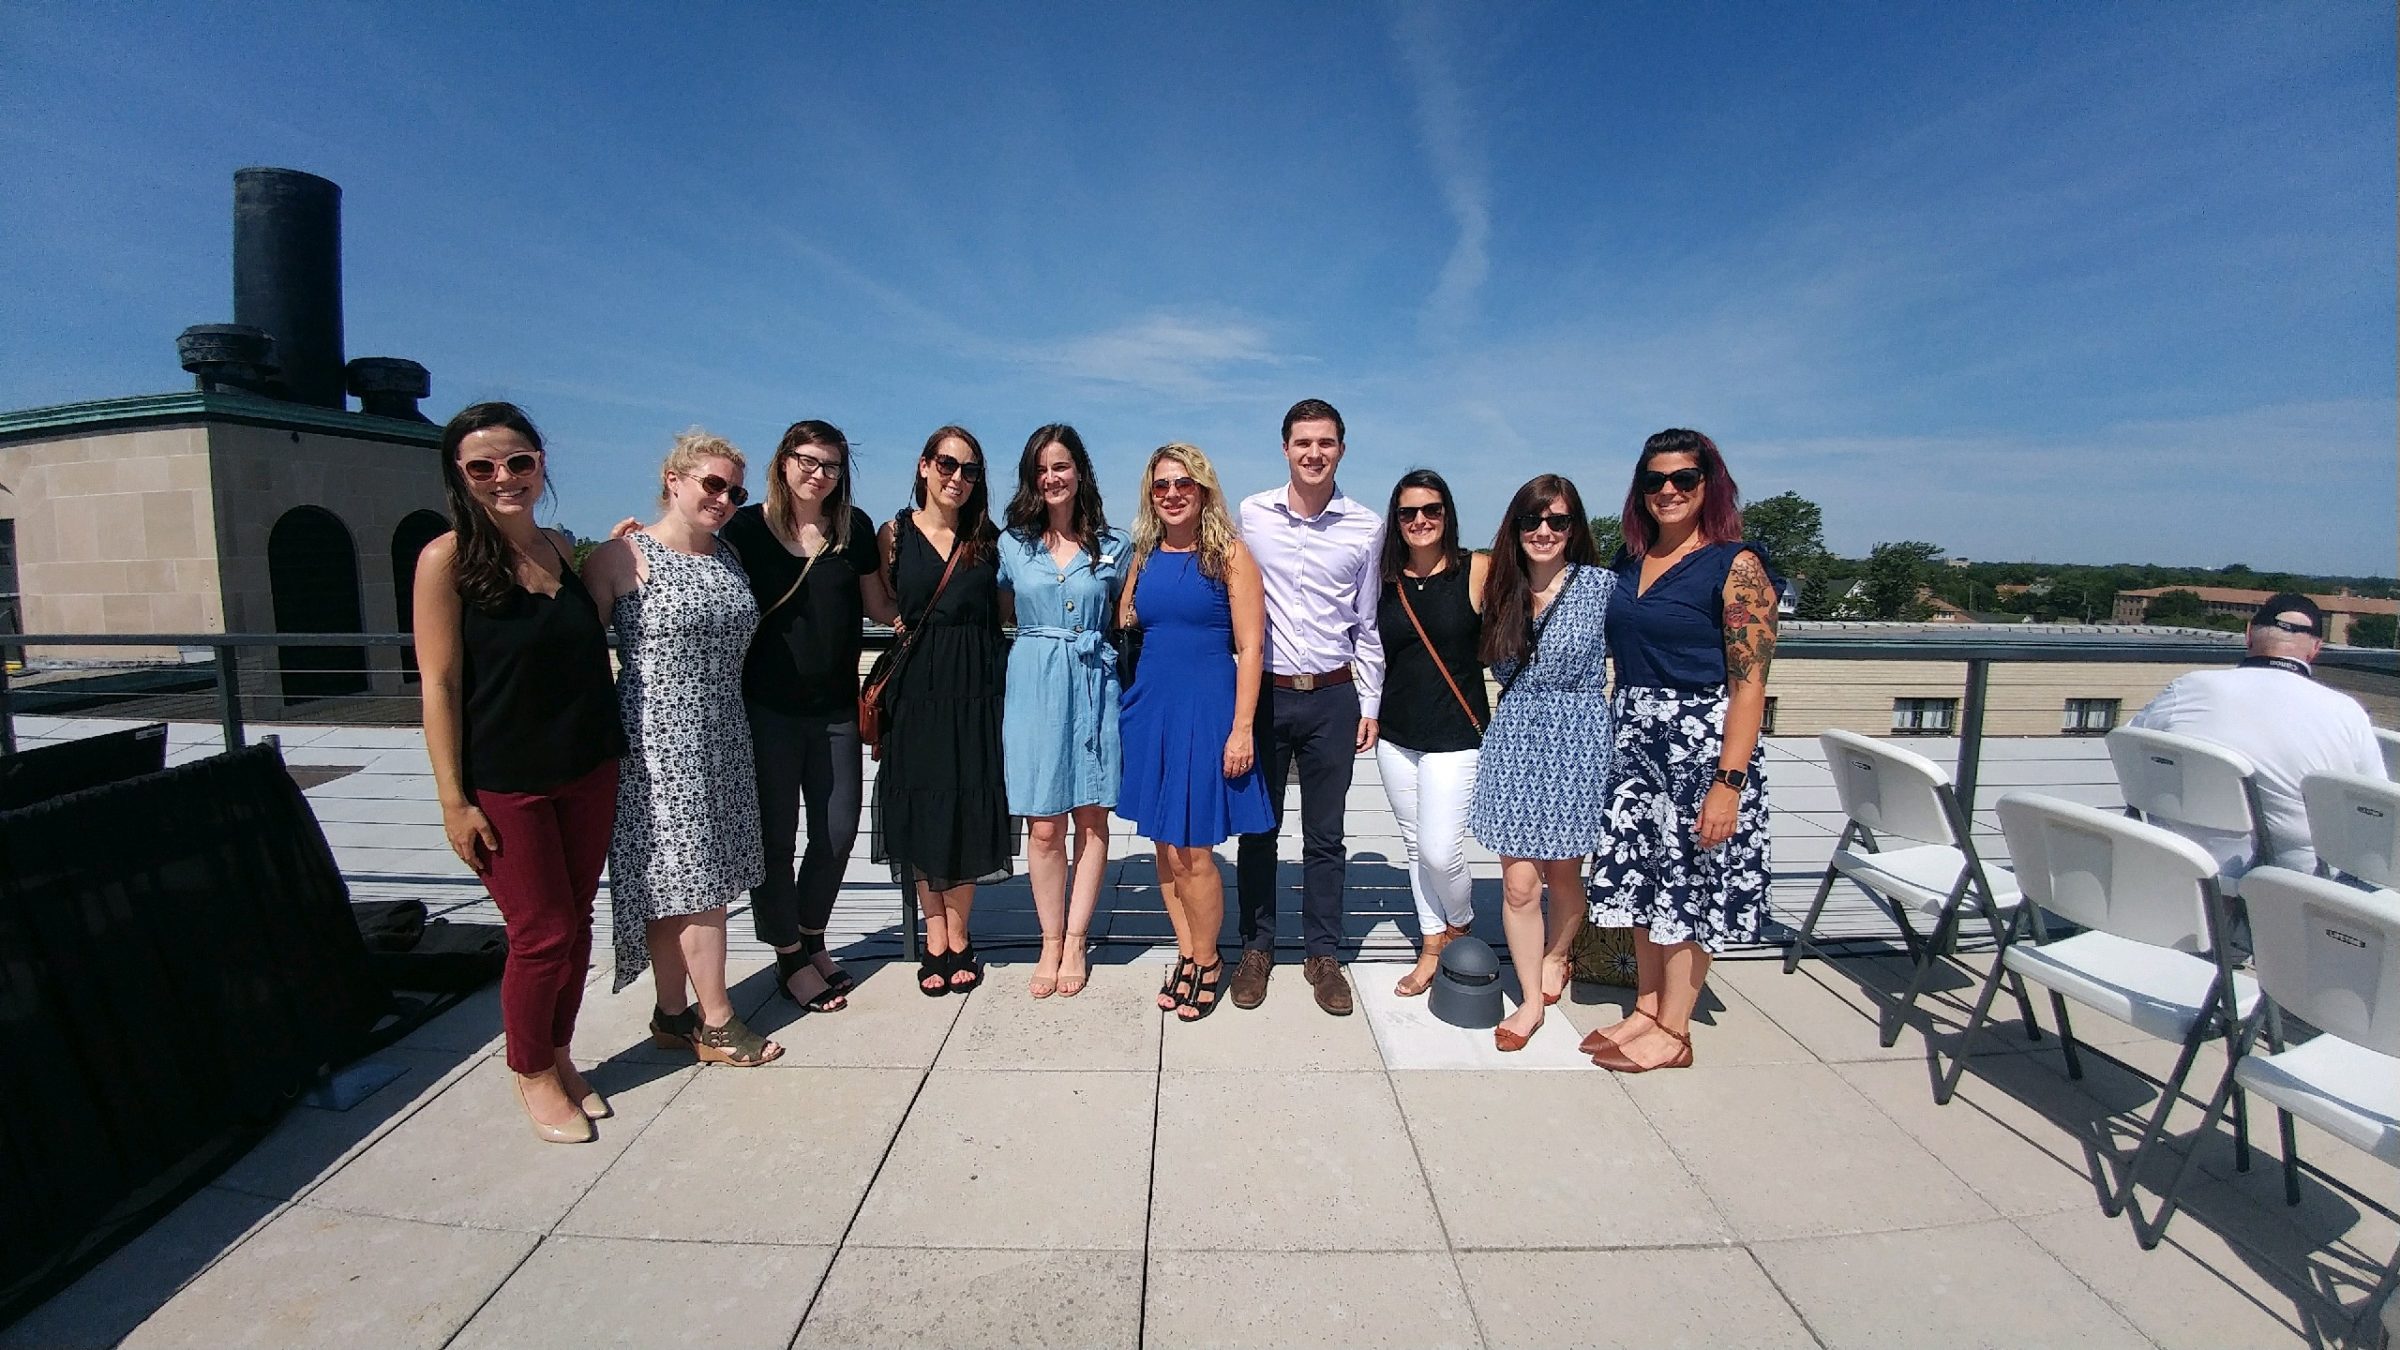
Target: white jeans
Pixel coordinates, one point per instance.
(1431, 795)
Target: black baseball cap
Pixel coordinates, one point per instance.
(2289, 602)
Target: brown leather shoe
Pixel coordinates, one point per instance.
(1250, 978)
(1333, 987)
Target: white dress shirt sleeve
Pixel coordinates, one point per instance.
(1370, 635)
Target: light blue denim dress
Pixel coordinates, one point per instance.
(1059, 730)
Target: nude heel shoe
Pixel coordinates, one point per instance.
(581, 1132)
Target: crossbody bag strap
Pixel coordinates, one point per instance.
(797, 583)
(1455, 692)
(1533, 645)
(909, 639)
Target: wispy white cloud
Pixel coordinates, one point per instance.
(1182, 356)
(1446, 130)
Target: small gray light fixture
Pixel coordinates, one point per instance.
(1466, 989)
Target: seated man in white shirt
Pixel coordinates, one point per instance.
(2271, 709)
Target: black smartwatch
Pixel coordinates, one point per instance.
(1733, 778)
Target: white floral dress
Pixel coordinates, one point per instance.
(687, 836)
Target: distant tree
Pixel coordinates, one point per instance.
(2176, 607)
(1790, 526)
(2375, 630)
(1793, 530)
(1896, 572)
(583, 550)
(1608, 535)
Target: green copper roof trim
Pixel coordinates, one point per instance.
(193, 405)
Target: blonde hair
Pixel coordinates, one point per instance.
(1217, 532)
(693, 449)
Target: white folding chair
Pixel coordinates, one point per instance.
(2354, 826)
(1890, 795)
(2152, 954)
(2390, 741)
(2329, 955)
(2183, 780)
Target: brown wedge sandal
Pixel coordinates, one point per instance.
(735, 1044)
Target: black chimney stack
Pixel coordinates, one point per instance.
(287, 275)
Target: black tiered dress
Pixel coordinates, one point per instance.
(941, 794)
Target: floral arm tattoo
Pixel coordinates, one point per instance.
(1750, 604)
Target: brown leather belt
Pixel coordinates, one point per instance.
(1305, 683)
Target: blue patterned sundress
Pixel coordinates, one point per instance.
(1541, 786)
(1670, 712)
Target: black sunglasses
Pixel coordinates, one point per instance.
(2303, 629)
(1683, 479)
(1430, 510)
(948, 467)
(1558, 521)
(711, 485)
(485, 470)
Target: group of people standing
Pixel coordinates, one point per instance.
(1179, 675)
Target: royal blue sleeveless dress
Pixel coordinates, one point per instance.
(1179, 711)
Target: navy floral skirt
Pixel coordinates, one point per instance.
(1651, 871)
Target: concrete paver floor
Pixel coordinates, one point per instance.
(993, 1170)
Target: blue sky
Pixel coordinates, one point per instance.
(2069, 282)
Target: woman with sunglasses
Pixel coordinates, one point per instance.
(687, 812)
(1685, 861)
(1060, 566)
(941, 799)
(1191, 772)
(810, 555)
(521, 726)
(1541, 780)
(1434, 706)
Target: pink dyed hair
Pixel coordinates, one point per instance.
(1720, 509)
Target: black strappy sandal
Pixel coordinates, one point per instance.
(1169, 993)
(788, 964)
(963, 962)
(841, 981)
(1204, 997)
(937, 969)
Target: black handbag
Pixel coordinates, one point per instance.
(1127, 638)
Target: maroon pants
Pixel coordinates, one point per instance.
(543, 877)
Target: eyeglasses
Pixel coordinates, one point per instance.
(948, 467)
(1558, 521)
(1432, 511)
(1168, 487)
(711, 486)
(485, 470)
(2303, 629)
(1683, 479)
(808, 464)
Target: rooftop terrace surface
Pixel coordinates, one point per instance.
(993, 1170)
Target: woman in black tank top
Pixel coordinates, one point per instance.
(1434, 706)
(521, 725)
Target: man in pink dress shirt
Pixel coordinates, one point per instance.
(1316, 553)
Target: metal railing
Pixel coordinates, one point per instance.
(279, 691)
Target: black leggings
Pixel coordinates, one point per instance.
(811, 760)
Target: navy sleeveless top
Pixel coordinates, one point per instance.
(1674, 636)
